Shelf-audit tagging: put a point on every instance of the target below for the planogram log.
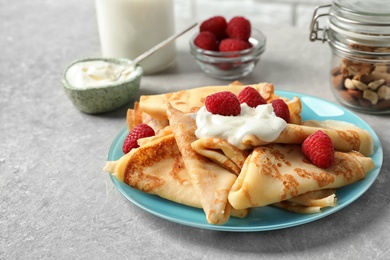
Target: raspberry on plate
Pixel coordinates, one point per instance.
(319, 149)
(228, 44)
(281, 109)
(223, 103)
(206, 40)
(140, 131)
(216, 25)
(239, 28)
(251, 97)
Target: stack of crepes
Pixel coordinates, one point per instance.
(212, 174)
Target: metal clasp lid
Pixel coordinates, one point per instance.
(314, 26)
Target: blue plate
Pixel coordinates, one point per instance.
(264, 218)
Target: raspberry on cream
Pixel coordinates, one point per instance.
(260, 121)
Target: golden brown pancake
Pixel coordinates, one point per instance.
(275, 173)
(210, 181)
(345, 136)
(318, 198)
(191, 100)
(309, 202)
(222, 152)
(157, 168)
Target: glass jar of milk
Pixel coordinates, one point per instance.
(127, 28)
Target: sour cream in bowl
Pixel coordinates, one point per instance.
(93, 85)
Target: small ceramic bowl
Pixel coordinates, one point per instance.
(103, 98)
(230, 65)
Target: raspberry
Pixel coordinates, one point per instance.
(229, 44)
(223, 103)
(140, 131)
(319, 149)
(251, 97)
(216, 25)
(239, 28)
(281, 109)
(206, 40)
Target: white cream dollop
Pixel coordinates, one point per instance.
(260, 121)
(95, 73)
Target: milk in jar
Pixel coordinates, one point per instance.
(127, 28)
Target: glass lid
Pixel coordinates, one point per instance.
(369, 19)
(368, 12)
(365, 7)
(365, 22)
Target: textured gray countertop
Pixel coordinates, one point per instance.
(57, 203)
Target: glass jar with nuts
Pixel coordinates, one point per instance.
(358, 33)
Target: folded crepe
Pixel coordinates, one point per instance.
(275, 173)
(345, 136)
(318, 198)
(136, 116)
(310, 202)
(191, 100)
(157, 168)
(222, 152)
(210, 181)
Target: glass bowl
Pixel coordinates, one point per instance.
(230, 65)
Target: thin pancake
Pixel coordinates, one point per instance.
(274, 173)
(222, 152)
(211, 181)
(191, 100)
(157, 168)
(318, 198)
(345, 136)
(348, 134)
(309, 202)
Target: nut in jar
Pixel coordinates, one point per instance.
(358, 34)
(362, 84)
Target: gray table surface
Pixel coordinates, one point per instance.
(57, 203)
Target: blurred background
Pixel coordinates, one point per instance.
(297, 13)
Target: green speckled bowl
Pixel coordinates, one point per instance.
(100, 99)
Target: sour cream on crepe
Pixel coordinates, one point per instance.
(260, 121)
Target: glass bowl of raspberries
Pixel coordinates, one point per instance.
(227, 49)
